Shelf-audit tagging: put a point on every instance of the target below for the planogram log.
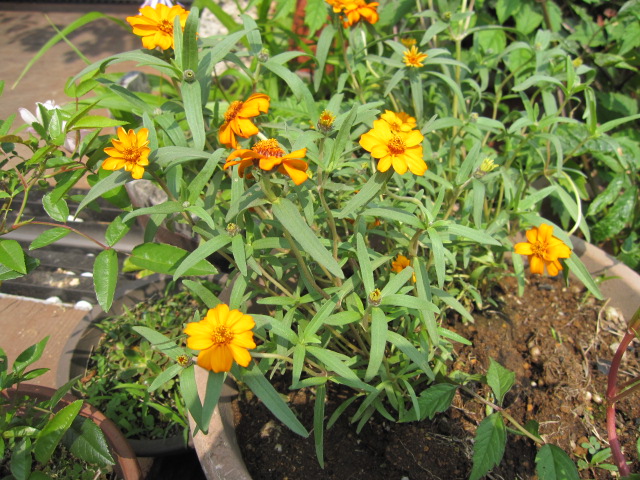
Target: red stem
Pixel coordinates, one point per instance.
(612, 390)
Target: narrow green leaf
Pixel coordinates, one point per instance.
(318, 424)
(195, 258)
(289, 216)
(50, 436)
(189, 390)
(334, 362)
(114, 180)
(471, 233)
(342, 138)
(378, 342)
(21, 459)
(579, 270)
(322, 52)
(165, 208)
(263, 389)
(499, 379)
(12, 256)
(488, 449)
(165, 376)
(239, 253)
(366, 272)
(98, 121)
(419, 358)
(438, 255)
(395, 215)
(366, 193)
(212, 395)
(29, 356)
(206, 295)
(192, 98)
(552, 463)
(105, 277)
(48, 237)
(163, 343)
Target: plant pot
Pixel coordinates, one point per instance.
(126, 461)
(219, 453)
(86, 336)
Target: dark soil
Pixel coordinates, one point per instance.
(559, 342)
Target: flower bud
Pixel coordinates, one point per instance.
(233, 229)
(325, 122)
(189, 76)
(375, 298)
(263, 56)
(183, 360)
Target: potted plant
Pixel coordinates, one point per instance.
(49, 432)
(117, 368)
(369, 207)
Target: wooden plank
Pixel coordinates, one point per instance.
(24, 322)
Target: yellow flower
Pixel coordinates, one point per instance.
(155, 25)
(408, 41)
(399, 122)
(413, 57)
(222, 336)
(402, 150)
(236, 119)
(543, 250)
(129, 151)
(267, 154)
(352, 11)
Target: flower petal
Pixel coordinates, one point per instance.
(536, 265)
(523, 248)
(240, 355)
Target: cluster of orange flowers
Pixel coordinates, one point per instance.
(395, 143)
(352, 11)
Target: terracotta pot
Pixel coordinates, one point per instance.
(86, 336)
(219, 453)
(126, 465)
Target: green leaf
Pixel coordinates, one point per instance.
(471, 233)
(192, 98)
(97, 121)
(29, 355)
(579, 270)
(366, 193)
(189, 390)
(21, 459)
(296, 85)
(488, 449)
(212, 395)
(206, 295)
(499, 379)
(164, 208)
(335, 362)
(87, 442)
(618, 216)
(58, 210)
(263, 389)
(165, 376)
(552, 463)
(117, 229)
(50, 436)
(436, 399)
(366, 272)
(438, 255)
(395, 215)
(12, 256)
(114, 180)
(165, 344)
(162, 258)
(287, 214)
(318, 423)
(378, 342)
(198, 256)
(105, 277)
(48, 237)
(420, 359)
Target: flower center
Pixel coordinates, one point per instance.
(268, 148)
(131, 154)
(539, 249)
(396, 145)
(221, 335)
(165, 26)
(232, 111)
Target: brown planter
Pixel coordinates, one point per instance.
(126, 461)
(219, 453)
(85, 337)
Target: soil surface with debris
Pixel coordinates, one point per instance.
(559, 342)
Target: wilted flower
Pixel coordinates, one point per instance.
(29, 118)
(402, 150)
(223, 336)
(267, 154)
(155, 24)
(129, 151)
(543, 250)
(237, 119)
(413, 57)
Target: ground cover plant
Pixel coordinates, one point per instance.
(361, 182)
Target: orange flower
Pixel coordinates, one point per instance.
(399, 122)
(237, 119)
(266, 155)
(543, 250)
(352, 11)
(413, 57)
(400, 263)
(402, 150)
(222, 336)
(129, 151)
(155, 25)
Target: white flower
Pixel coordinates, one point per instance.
(29, 118)
(155, 3)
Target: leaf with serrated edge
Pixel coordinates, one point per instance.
(488, 449)
(552, 463)
(499, 379)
